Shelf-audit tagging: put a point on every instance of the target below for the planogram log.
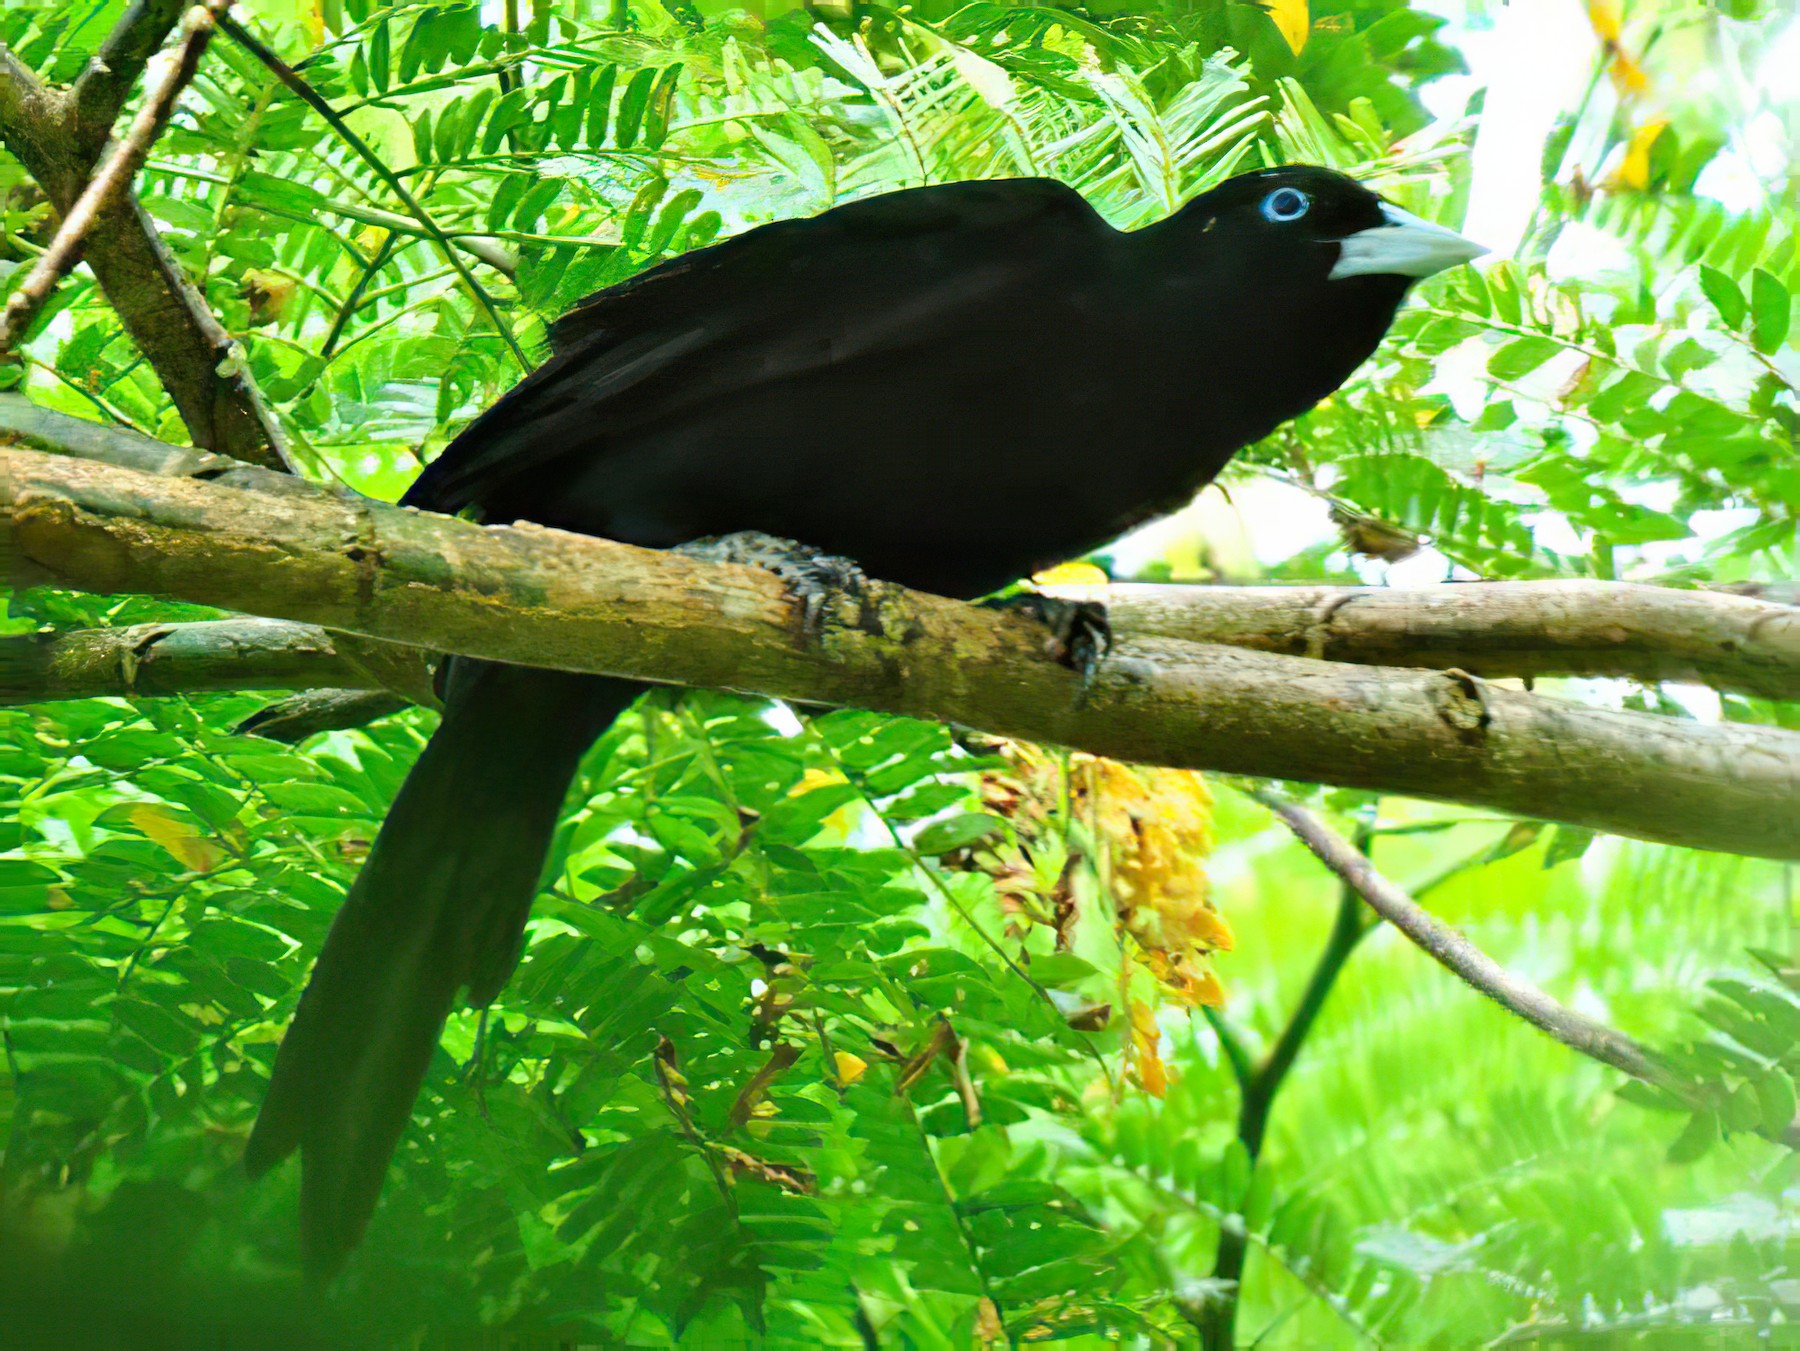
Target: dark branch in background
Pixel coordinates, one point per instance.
(317, 102)
(1474, 967)
(306, 715)
(1457, 954)
(1493, 629)
(545, 598)
(57, 137)
(118, 166)
(1258, 1086)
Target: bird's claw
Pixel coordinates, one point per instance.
(1079, 632)
(814, 578)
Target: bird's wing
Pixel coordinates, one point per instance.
(775, 302)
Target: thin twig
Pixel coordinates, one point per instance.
(1457, 954)
(116, 171)
(317, 102)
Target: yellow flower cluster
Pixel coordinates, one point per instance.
(1153, 828)
(1157, 826)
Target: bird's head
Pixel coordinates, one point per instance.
(1288, 278)
(1331, 225)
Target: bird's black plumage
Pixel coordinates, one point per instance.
(954, 386)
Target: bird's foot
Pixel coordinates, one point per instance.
(814, 578)
(1079, 633)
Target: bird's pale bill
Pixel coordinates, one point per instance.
(1405, 246)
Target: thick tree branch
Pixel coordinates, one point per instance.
(57, 137)
(546, 598)
(118, 166)
(1493, 629)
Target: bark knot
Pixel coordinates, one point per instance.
(1462, 705)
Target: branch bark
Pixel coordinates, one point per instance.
(57, 137)
(116, 170)
(545, 598)
(1457, 954)
(1493, 629)
(106, 84)
(221, 654)
(24, 423)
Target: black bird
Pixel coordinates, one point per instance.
(953, 386)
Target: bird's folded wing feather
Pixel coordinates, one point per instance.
(863, 279)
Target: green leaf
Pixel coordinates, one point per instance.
(1699, 1135)
(1776, 1100)
(958, 832)
(379, 69)
(600, 107)
(632, 105)
(1771, 309)
(656, 112)
(1522, 356)
(1725, 296)
(1567, 844)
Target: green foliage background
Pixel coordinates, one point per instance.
(1436, 1174)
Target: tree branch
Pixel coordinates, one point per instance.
(117, 169)
(546, 598)
(1548, 628)
(26, 424)
(1495, 629)
(54, 136)
(101, 91)
(1457, 954)
(221, 654)
(1475, 968)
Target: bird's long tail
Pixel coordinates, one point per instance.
(440, 905)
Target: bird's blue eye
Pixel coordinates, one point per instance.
(1285, 204)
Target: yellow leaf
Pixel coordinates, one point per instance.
(1627, 75)
(1634, 169)
(1207, 990)
(189, 847)
(1605, 17)
(1146, 1038)
(1071, 574)
(1292, 19)
(816, 778)
(849, 1068)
